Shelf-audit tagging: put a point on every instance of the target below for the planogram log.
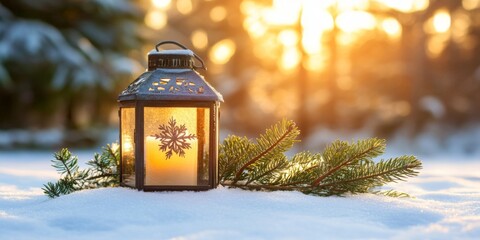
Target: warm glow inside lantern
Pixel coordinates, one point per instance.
(169, 125)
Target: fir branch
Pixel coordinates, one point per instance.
(103, 172)
(105, 175)
(289, 127)
(374, 148)
(237, 151)
(64, 162)
(371, 176)
(341, 168)
(268, 170)
(302, 169)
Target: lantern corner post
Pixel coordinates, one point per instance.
(214, 128)
(120, 164)
(139, 146)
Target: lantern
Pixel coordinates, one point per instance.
(169, 125)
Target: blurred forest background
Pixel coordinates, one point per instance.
(387, 68)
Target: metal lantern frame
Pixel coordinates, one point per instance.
(196, 93)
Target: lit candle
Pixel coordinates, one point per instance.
(176, 170)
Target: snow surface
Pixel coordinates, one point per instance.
(447, 206)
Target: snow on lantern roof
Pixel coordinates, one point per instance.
(187, 52)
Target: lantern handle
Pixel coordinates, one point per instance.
(185, 48)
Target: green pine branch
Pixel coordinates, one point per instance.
(103, 172)
(261, 164)
(341, 168)
(254, 161)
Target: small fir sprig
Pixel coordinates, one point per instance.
(341, 168)
(103, 172)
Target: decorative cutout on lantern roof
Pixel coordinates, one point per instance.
(171, 75)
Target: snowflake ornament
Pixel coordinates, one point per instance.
(174, 139)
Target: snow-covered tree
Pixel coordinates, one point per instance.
(60, 60)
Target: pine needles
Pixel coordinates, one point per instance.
(341, 168)
(103, 172)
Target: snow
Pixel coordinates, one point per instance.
(446, 206)
(172, 52)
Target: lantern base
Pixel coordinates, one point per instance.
(170, 188)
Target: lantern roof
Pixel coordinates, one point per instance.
(171, 76)
(170, 84)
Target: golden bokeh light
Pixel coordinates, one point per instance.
(248, 7)
(267, 48)
(184, 7)
(255, 28)
(311, 42)
(291, 57)
(199, 39)
(435, 45)
(460, 26)
(316, 62)
(156, 19)
(222, 51)
(304, 25)
(392, 27)
(470, 4)
(441, 21)
(352, 21)
(319, 20)
(218, 13)
(319, 5)
(288, 38)
(283, 13)
(406, 5)
(343, 5)
(161, 4)
(345, 39)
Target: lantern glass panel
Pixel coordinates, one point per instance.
(176, 146)
(128, 146)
